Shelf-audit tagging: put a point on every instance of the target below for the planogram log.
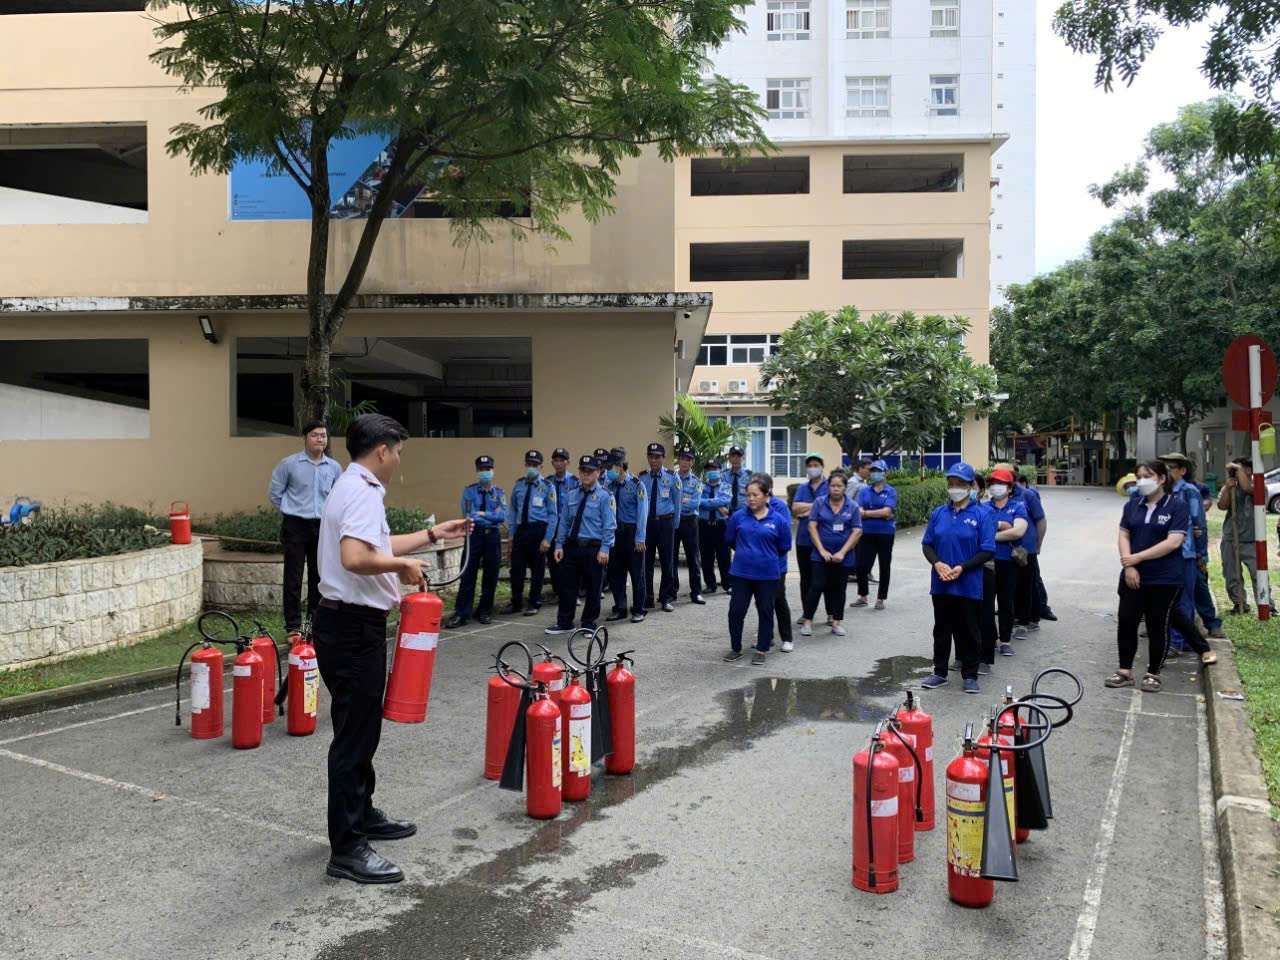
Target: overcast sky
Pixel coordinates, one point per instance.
(1085, 134)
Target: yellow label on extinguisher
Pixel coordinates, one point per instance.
(310, 692)
(555, 757)
(1008, 797)
(964, 835)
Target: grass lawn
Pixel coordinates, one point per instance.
(1257, 655)
(161, 651)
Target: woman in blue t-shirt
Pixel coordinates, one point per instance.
(878, 502)
(835, 524)
(1152, 528)
(759, 534)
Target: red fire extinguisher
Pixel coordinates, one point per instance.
(409, 685)
(303, 688)
(901, 746)
(966, 802)
(575, 712)
(620, 686)
(875, 818)
(265, 647)
(535, 747)
(246, 698)
(503, 706)
(206, 691)
(914, 722)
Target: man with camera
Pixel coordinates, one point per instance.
(1236, 498)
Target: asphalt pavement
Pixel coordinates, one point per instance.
(125, 838)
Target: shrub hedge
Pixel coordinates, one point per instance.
(80, 533)
(916, 497)
(264, 524)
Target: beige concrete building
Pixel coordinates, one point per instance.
(111, 252)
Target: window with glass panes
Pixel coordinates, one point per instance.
(943, 99)
(867, 96)
(944, 18)
(772, 446)
(867, 19)
(787, 98)
(723, 350)
(788, 20)
(940, 456)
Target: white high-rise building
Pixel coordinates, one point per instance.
(903, 71)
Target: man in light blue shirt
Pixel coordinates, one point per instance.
(300, 484)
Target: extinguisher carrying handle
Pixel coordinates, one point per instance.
(599, 636)
(1044, 726)
(893, 726)
(624, 655)
(1059, 704)
(205, 625)
(506, 671)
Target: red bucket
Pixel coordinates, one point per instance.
(180, 522)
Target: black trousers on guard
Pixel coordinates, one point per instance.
(351, 652)
(715, 552)
(526, 553)
(687, 540)
(956, 621)
(660, 545)
(624, 562)
(580, 564)
(299, 538)
(486, 549)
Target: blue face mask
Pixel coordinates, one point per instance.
(484, 476)
(877, 476)
(713, 475)
(530, 472)
(611, 475)
(973, 496)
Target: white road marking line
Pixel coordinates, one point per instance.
(714, 947)
(1215, 923)
(82, 723)
(1087, 922)
(152, 794)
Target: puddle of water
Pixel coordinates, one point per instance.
(496, 910)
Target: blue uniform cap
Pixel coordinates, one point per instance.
(600, 453)
(656, 448)
(484, 463)
(880, 465)
(613, 459)
(961, 471)
(588, 462)
(559, 453)
(713, 464)
(686, 452)
(738, 450)
(533, 456)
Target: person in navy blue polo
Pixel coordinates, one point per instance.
(760, 534)
(959, 540)
(809, 491)
(534, 512)
(1153, 527)
(662, 491)
(835, 526)
(487, 504)
(878, 502)
(1012, 524)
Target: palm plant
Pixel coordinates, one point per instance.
(342, 413)
(709, 439)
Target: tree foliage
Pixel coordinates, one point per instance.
(709, 439)
(892, 383)
(482, 102)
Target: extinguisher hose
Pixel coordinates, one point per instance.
(462, 564)
(893, 728)
(177, 686)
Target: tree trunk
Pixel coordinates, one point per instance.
(1184, 424)
(315, 368)
(849, 446)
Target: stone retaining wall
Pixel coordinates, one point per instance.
(244, 581)
(52, 611)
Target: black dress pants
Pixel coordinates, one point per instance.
(828, 582)
(486, 551)
(782, 610)
(956, 622)
(744, 591)
(1006, 590)
(580, 563)
(300, 538)
(715, 552)
(687, 540)
(1159, 604)
(804, 560)
(526, 553)
(351, 652)
(988, 616)
(660, 546)
(875, 546)
(624, 562)
(1027, 603)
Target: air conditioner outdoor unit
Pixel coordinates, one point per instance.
(708, 386)
(765, 386)
(737, 386)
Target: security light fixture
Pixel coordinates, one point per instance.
(206, 327)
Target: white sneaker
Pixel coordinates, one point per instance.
(838, 630)
(788, 646)
(805, 631)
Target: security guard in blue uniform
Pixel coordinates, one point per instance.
(627, 556)
(534, 514)
(687, 530)
(584, 537)
(662, 493)
(488, 505)
(562, 480)
(713, 514)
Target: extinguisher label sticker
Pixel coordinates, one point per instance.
(555, 757)
(970, 792)
(885, 808)
(419, 641)
(199, 687)
(580, 741)
(579, 710)
(557, 684)
(242, 670)
(964, 833)
(310, 664)
(294, 659)
(907, 774)
(928, 754)
(310, 691)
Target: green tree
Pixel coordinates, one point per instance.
(482, 102)
(709, 439)
(894, 383)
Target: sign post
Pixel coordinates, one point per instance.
(1249, 373)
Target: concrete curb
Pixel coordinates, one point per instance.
(1248, 839)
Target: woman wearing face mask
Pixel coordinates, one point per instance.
(958, 542)
(806, 494)
(1011, 525)
(1152, 528)
(878, 501)
(759, 534)
(835, 527)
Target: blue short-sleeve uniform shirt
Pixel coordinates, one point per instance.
(957, 536)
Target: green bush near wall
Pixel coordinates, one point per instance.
(916, 497)
(80, 533)
(264, 524)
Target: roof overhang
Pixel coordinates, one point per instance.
(994, 140)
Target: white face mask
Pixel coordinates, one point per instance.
(1147, 486)
(958, 493)
(814, 472)
(999, 490)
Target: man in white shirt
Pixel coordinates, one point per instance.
(361, 569)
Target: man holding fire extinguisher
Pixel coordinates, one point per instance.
(361, 568)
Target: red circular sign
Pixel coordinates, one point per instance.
(1235, 369)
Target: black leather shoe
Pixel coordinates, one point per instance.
(667, 606)
(532, 611)
(382, 827)
(510, 608)
(454, 622)
(483, 618)
(711, 589)
(1047, 614)
(697, 598)
(615, 617)
(364, 865)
